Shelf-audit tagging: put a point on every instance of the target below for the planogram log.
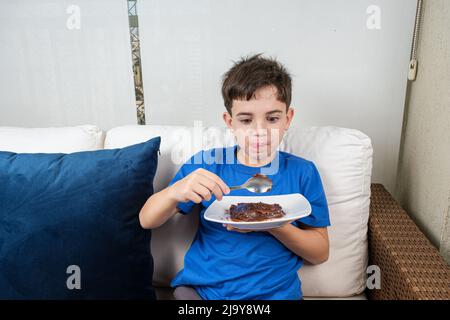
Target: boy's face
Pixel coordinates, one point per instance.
(259, 124)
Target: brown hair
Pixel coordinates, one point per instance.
(249, 74)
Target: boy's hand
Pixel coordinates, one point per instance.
(231, 228)
(199, 185)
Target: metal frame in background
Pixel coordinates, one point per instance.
(136, 60)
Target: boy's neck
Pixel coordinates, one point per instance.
(245, 159)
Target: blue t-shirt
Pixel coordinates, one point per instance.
(222, 264)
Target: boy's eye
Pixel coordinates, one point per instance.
(272, 119)
(245, 121)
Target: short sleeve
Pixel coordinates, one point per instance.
(312, 189)
(194, 163)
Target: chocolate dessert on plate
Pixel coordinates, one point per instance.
(255, 211)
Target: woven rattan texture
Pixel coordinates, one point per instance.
(411, 267)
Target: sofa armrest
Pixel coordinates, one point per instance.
(411, 267)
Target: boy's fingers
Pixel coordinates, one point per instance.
(217, 180)
(231, 228)
(194, 197)
(212, 186)
(202, 191)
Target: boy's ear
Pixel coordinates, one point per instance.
(290, 115)
(227, 119)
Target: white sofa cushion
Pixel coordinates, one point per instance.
(51, 140)
(344, 160)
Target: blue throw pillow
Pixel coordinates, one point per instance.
(69, 224)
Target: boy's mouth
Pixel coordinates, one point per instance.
(259, 147)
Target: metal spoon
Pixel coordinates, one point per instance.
(259, 183)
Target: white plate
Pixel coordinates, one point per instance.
(294, 205)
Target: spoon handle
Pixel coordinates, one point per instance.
(236, 187)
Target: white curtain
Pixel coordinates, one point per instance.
(65, 63)
(349, 61)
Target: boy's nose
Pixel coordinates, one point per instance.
(260, 127)
(259, 132)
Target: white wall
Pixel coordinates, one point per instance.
(423, 185)
(344, 74)
(51, 75)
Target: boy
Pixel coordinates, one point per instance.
(228, 263)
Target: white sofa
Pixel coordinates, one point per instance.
(342, 156)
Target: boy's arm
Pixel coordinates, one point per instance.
(310, 243)
(159, 208)
(199, 185)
